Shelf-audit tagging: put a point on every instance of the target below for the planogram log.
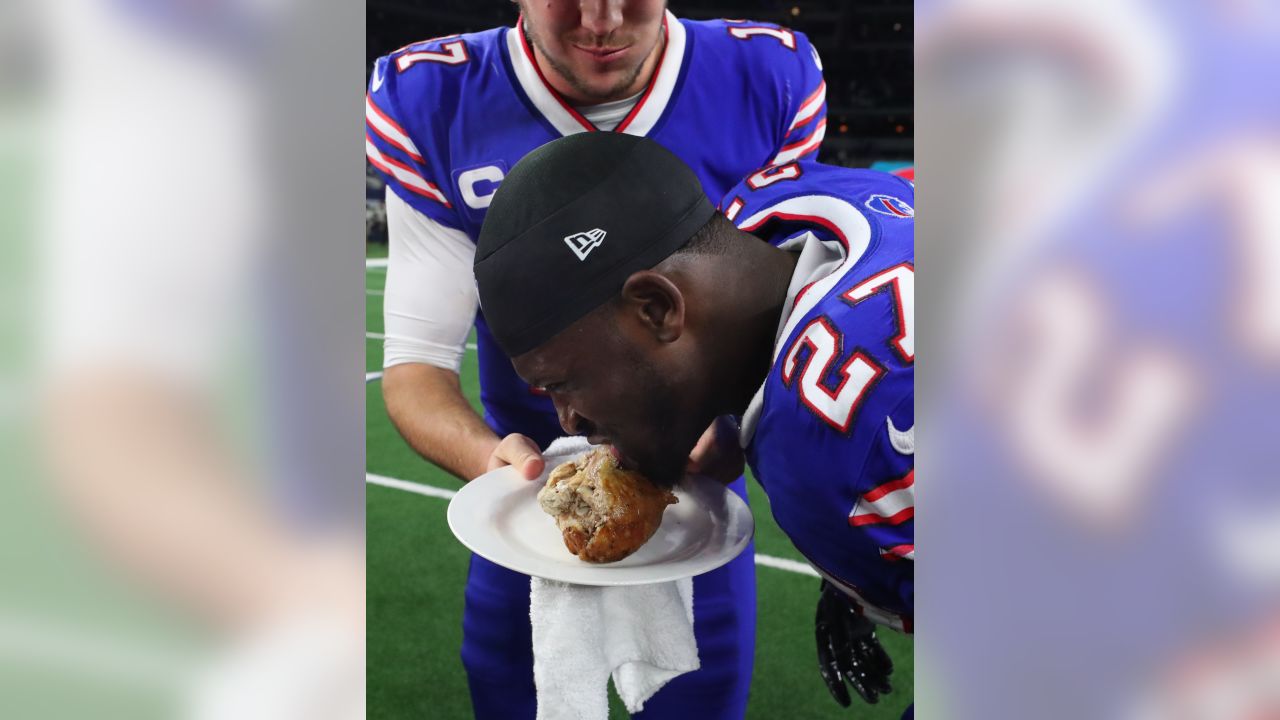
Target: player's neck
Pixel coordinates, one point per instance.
(760, 299)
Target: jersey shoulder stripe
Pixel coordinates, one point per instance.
(414, 95)
(783, 62)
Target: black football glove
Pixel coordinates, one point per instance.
(848, 650)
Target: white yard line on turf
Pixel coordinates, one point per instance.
(407, 486)
(371, 376)
(785, 564)
(371, 291)
(766, 560)
(375, 263)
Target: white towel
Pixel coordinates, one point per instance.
(641, 635)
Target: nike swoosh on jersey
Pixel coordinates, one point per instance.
(904, 441)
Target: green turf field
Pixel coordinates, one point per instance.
(416, 571)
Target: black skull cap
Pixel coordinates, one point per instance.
(571, 222)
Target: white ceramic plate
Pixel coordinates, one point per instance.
(497, 516)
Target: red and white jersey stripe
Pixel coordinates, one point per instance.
(810, 107)
(803, 147)
(892, 503)
(388, 130)
(899, 552)
(405, 174)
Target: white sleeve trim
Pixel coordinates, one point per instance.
(431, 300)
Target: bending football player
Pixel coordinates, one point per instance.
(676, 317)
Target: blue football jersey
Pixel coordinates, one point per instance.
(830, 435)
(448, 118)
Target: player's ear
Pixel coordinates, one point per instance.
(656, 303)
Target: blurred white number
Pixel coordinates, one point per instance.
(1097, 463)
(1240, 177)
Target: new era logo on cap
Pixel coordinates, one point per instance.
(584, 242)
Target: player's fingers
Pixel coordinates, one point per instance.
(717, 455)
(869, 647)
(873, 658)
(870, 662)
(881, 657)
(827, 659)
(702, 451)
(830, 670)
(521, 453)
(845, 649)
(864, 687)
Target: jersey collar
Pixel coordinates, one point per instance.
(565, 119)
(822, 264)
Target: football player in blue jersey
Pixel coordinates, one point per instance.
(675, 317)
(447, 119)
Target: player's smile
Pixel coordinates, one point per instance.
(603, 55)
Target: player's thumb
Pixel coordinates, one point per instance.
(531, 466)
(526, 457)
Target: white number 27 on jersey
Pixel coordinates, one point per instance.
(837, 406)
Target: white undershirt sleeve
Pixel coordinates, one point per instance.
(431, 296)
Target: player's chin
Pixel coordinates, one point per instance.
(602, 86)
(664, 469)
